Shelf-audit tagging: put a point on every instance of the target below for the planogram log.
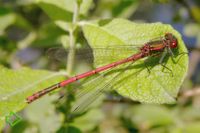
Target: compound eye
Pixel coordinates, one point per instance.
(174, 44)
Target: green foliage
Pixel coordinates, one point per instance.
(63, 10)
(69, 129)
(156, 116)
(6, 21)
(119, 8)
(17, 85)
(82, 122)
(8, 18)
(42, 24)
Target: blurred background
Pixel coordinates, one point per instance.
(27, 31)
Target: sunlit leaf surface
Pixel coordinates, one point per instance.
(158, 86)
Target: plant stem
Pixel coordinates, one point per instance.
(71, 54)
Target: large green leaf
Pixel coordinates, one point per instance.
(17, 85)
(63, 9)
(158, 86)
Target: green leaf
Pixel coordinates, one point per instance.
(17, 85)
(57, 10)
(69, 129)
(46, 115)
(85, 6)
(88, 122)
(6, 20)
(116, 8)
(63, 9)
(47, 38)
(155, 116)
(158, 86)
(125, 8)
(65, 41)
(64, 25)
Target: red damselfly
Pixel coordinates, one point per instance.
(151, 48)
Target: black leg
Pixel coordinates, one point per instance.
(164, 66)
(146, 66)
(181, 54)
(170, 51)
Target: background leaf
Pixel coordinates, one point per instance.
(159, 87)
(17, 85)
(156, 116)
(63, 9)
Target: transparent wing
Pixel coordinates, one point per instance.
(87, 54)
(88, 92)
(93, 89)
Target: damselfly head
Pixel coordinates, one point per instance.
(173, 43)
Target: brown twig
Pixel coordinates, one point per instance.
(190, 93)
